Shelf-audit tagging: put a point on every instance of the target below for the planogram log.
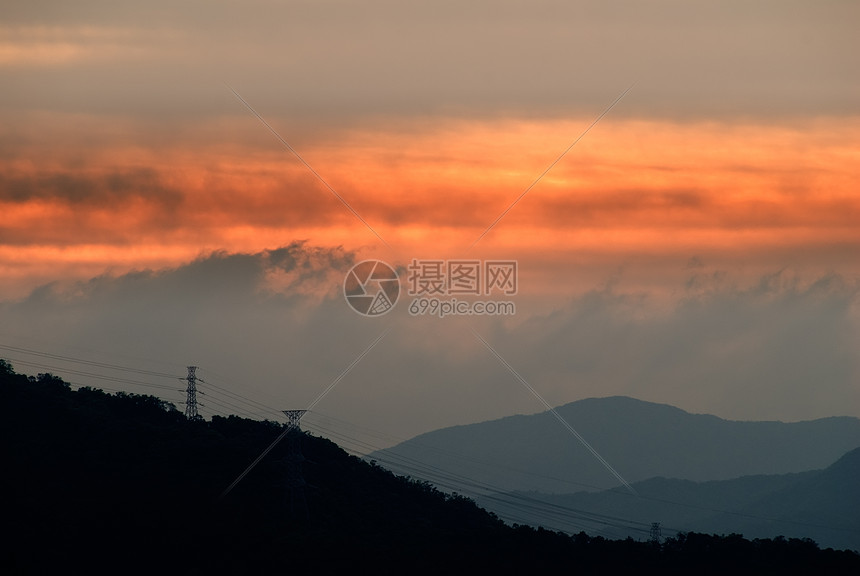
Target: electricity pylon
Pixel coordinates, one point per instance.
(656, 533)
(295, 481)
(191, 394)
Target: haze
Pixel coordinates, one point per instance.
(698, 247)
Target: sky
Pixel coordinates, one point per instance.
(697, 245)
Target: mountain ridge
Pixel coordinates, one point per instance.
(820, 504)
(639, 439)
(99, 483)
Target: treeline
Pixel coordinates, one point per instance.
(124, 483)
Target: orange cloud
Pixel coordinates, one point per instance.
(627, 188)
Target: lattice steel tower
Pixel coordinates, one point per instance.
(656, 533)
(295, 481)
(191, 394)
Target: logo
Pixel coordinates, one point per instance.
(371, 288)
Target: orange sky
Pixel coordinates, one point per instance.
(122, 147)
(729, 167)
(628, 188)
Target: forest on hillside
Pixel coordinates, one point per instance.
(98, 482)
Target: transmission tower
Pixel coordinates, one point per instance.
(656, 534)
(295, 481)
(191, 394)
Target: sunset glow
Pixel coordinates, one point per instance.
(630, 188)
(697, 246)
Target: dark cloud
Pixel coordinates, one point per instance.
(87, 203)
(275, 324)
(214, 276)
(81, 189)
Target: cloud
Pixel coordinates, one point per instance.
(778, 348)
(124, 158)
(210, 279)
(341, 60)
(627, 177)
(110, 187)
(273, 326)
(53, 46)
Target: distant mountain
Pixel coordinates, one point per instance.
(97, 483)
(823, 505)
(639, 439)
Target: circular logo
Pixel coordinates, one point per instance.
(371, 288)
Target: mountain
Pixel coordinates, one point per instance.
(639, 439)
(823, 505)
(97, 483)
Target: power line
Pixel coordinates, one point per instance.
(443, 478)
(460, 483)
(544, 511)
(85, 362)
(91, 374)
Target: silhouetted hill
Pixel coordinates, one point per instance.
(125, 480)
(99, 483)
(823, 505)
(639, 439)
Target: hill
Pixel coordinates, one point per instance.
(639, 439)
(823, 505)
(100, 483)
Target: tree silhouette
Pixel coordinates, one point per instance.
(96, 482)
